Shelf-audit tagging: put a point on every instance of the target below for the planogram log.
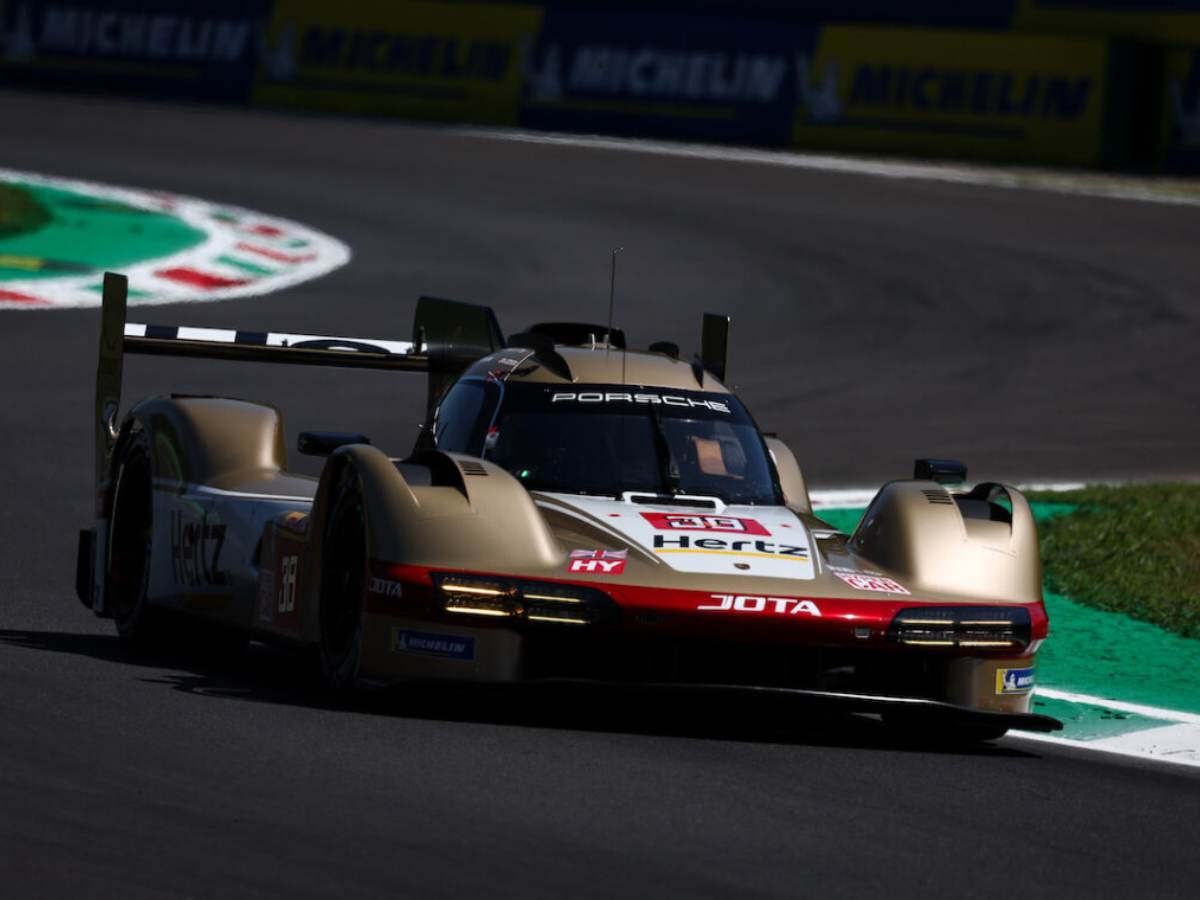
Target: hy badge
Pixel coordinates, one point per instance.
(598, 562)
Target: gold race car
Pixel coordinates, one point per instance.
(573, 510)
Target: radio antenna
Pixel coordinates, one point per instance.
(612, 296)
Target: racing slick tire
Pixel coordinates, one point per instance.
(130, 541)
(343, 582)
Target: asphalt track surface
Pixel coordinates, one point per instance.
(1034, 335)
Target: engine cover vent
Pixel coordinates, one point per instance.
(935, 495)
(470, 467)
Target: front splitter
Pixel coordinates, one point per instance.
(837, 701)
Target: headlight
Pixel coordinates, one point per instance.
(966, 627)
(476, 596)
(533, 601)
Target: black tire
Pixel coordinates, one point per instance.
(343, 582)
(130, 542)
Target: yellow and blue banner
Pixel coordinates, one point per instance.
(1161, 21)
(450, 61)
(968, 94)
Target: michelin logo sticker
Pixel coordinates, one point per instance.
(1015, 681)
(424, 643)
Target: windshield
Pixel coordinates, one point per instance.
(604, 439)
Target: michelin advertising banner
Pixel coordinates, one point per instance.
(684, 77)
(1182, 119)
(206, 48)
(1161, 21)
(973, 94)
(452, 61)
(954, 93)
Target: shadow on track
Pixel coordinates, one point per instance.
(268, 674)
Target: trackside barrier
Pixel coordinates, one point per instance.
(205, 49)
(698, 78)
(1181, 119)
(449, 61)
(776, 73)
(1164, 22)
(1020, 98)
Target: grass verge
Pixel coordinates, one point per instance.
(1133, 549)
(19, 211)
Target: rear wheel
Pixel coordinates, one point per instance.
(343, 582)
(130, 540)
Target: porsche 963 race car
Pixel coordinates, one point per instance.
(572, 510)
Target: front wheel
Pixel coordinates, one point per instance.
(343, 582)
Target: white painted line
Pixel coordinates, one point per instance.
(1080, 184)
(1178, 744)
(1056, 486)
(855, 498)
(1139, 709)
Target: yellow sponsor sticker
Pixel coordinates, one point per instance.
(1015, 681)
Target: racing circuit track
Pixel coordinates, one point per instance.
(1036, 336)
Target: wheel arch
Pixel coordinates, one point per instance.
(435, 510)
(930, 538)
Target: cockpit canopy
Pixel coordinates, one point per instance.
(607, 439)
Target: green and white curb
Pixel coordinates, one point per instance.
(1119, 686)
(1149, 732)
(174, 248)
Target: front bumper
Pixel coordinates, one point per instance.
(656, 637)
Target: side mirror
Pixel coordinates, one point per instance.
(943, 471)
(323, 443)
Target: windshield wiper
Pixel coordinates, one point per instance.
(666, 464)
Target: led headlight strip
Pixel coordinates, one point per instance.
(967, 627)
(532, 601)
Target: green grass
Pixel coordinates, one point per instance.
(19, 211)
(1133, 549)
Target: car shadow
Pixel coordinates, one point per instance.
(270, 674)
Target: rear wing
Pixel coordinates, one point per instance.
(447, 337)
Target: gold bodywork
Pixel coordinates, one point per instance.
(485, 521)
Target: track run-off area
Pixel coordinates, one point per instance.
(1041, 336)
